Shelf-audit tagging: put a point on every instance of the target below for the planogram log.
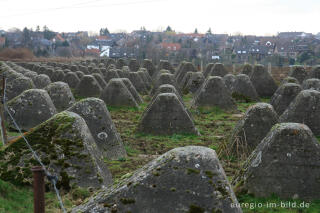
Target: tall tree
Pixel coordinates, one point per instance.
(104, 31)
(45, 28)
(143, 28)
(168, 29)
(48, 34)
(196, 31)
(26, 36)
(209, 31)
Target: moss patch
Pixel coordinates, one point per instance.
(16, 160)
(195, 209)
(127, 201)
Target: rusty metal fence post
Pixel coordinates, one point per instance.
(38, 189)
(3, 128)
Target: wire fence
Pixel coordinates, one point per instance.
(51, 177)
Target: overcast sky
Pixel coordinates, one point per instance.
(260, 17)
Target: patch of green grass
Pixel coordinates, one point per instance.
(74, 197)
(77, 97)
(214, 125)
(250, 204)
(187, 98)
(121, 167)
(265, 100)
(15, 199)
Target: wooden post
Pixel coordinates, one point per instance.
(38, 189)
(3, 128)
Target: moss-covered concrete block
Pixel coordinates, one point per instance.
(67, 148)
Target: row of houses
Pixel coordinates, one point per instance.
(213, 46)
(289, 47)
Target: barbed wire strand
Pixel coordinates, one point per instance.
(52, 178)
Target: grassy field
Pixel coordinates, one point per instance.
(215, 127)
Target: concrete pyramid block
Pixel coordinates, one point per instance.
(298, 72)
(305, 108)
(229, 81)
(284, 95)
(132, 90)
(286, 163)
(103, 130)
(312, 83)
(218, 70)
(120, 63)
(138, 83)
(31, 108)
(247, 69)
(164, 78)
(88, 87)
(195, 82)
(117, 94)
(185, 81)
(110, 75)
(66, 147)
(253, 127)
(165, 65)
(315, 72)
(17, 86)
(207, 70)
(244, 89)
(185, 179)
(289, 80)
(41, 81)
(72, 79)
(134, 65)
(80, 74)
(57, 75)
(214, 93)
(100, 80)
(60, 94)
(185, 67)
(149, 66)
(166, 115)
(145, 79)
(263, 81)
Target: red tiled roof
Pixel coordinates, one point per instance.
(59, 37)
(94, 51)
(2, 40)
(171, 46)
(193, 35)
(102, 37)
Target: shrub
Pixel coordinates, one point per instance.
(19, 53)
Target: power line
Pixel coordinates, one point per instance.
(54, 8)
(82, 5)
(122, 4)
